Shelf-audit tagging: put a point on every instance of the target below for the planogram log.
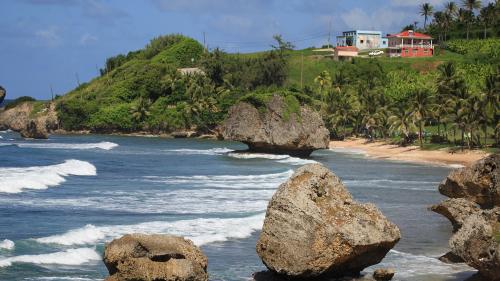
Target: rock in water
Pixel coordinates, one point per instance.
(383, 274)
(314, 228)
(34, 130)
(154, 257)
(274, 130)
(478, 183)
(478, 242)
(3, 93)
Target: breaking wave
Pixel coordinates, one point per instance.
(285, 159)
(105, 145)
(212, 151)
(68, 257)
(7, 244)
(200, 231)
(15, 180)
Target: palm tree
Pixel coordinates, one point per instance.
(426, 11)
(487, 16)
(140, 110)
(420, 105)
(451, 8)
(323, 80)
(470, 6)
(400, 121)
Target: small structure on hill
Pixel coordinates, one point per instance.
(346, 53)
(362, 39)
(191, 71)
(410, 44)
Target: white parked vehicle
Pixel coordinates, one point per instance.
(376, 53)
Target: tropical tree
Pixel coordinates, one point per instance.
(487, 15)
(470, 6)
(401, 122)
(420, 106)
(323, 80)
(426, 11)
(451, 8)
(140, 110)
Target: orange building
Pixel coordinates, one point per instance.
(410, 44)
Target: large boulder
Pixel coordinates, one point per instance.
(478, 242)
(476, 238)
(140, 257)
(478, 183)
(313, 227)
(274, 129)
(34, 130)
(3, 93)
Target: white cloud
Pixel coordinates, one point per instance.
(383, 19)
(49, 36)
(87, 39)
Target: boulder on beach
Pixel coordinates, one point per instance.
(314, 228)
(478, 183)
(274, 129)
(34, 130)
(383, 274)
(154, 257)
(474, 211)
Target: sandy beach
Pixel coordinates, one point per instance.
(382, 150)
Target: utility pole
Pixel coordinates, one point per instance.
(329, 32)
(205, 41)
(302, 71)
(52, 92)
(77, 79)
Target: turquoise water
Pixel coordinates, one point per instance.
(62, 199)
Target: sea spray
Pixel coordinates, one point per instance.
(15, 180)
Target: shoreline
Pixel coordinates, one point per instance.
(383, 150)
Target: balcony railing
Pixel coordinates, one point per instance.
(399, 46)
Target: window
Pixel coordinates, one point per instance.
(384, 42)
(406, 52)
(362, 41)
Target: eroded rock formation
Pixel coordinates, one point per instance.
(275, 130)
(154, 257)
(314, 228)
(29, 124)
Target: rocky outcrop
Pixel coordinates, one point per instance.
(478, 242)
(478, 183)
(154, 257)
(456, 210)
(313, 227)
(275, 129)
(474, 212)
(3, 93)
(28, 123)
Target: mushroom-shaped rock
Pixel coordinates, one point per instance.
(276, 128)
(154, 257)
(314, 228)
(478, 183)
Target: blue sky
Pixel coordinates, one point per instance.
(52, 42)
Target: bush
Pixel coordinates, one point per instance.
(488, 47)
(18, 101)
(112, 118)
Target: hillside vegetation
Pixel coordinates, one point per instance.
(377, 97)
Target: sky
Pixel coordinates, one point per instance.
(57, 43)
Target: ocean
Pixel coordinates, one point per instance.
(61, 199)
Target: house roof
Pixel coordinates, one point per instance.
(410, 34)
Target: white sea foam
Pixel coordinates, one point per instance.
(68, 257)
(355, 151)
(105, 145)
(7, 244)
(15, 180)
(211, 151)
(266, 181)
(200, 231)
(409, 265)
(394, 184)
(286, 159)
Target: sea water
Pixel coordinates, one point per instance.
(61, 199)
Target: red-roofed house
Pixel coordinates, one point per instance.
(410, 44)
